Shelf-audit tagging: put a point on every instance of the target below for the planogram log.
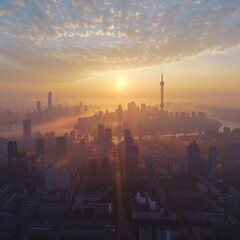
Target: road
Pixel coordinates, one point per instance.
(124, 231)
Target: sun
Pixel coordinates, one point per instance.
(121, 83)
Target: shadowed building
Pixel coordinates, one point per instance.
(105, 171)
(193, 158)
(212, 162)
(149, 173)
(27, 128)
(120, 113)
(17, 165)
(50, 101)
(132, 165)
(108, 142)
(61, 145)
(39, 148)
(93, 174)
(100, 133)
(39, 109)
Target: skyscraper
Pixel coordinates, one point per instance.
(50, 179)
(120, 113)
(162, 93)
(3, 151)
(63, 179)
(12, 149)
(108, 142)
(127, 133)
(105, 171)
(38, 106)
(132, 165)
(149, 173)
(50, 101)
(93, 173)
(17, 168)
(27, 128)
(193, 158)
(12, 154)
(57, 179)
(39, 148)
(212, 161)
(132, 112)
(100, 133)
(143, 108)
(61, 145)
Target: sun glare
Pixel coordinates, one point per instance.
(121, 83)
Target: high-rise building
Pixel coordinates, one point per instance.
(82, 150)
(61, 145)
(12, 155)
(93, 173)
(149, 173)
(132, 165)
(127, 134)
(108, 142)
(168, 233)
(212, 158)
(120, 113)
(128, 141)
(235, 152)
(39, 109)
(39, 148)
(105, 171)
(57, 179)
(27, 128)
(132, 112)
(3, 151)
(12, 149)
(17, 165)
(50, 101)
(143, 108)
(50, 179)
(193, 158)
(72, 136)
(100, 133)
(63, 179)
(145, 232)
(177, 164)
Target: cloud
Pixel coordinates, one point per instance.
(52, 39)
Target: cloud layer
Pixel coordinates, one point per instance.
(63, 40)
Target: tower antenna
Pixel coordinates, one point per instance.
(162, 92)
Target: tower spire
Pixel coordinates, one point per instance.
(162, 92)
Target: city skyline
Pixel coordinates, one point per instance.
(76, 48)
(119, 119)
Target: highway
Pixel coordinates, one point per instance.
(124, 231)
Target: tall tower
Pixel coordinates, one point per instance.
(162, 92)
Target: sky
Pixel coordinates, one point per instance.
(84, 48)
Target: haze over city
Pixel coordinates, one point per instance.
(119, 120)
